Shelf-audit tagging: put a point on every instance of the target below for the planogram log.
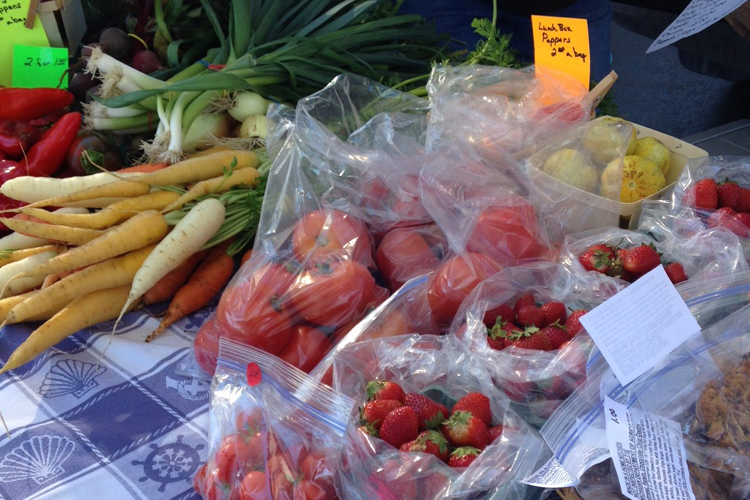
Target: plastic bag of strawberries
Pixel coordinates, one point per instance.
(627, 255)
(523, 323)
(274, 434)
(710, 192)
(429, 424)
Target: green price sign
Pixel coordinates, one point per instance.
(35, 67)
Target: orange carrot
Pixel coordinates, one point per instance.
(246, 256)
(203, 285)
(215, 253)
(165, 288)
(143, 169)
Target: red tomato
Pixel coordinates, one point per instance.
(319, 468)
(226, 459)
(282, 477)
(254, 318)
(199, 479)
(250, 422)
(306, 348)
(410, 213)
(454, 280)
(332, 294)
(310, 490)
(206, 346)
(217, 490)
(506, 233)
(404, 254)
(322, 234)
(374, 193)
(254, 487)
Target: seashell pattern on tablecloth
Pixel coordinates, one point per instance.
(70, 376)
(39, 458)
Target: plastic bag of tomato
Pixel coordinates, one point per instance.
(523, 323)
(429, 424)
(273, 433)
(344, 179)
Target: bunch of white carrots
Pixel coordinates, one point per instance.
(73, 267)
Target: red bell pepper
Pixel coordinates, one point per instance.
(44, 158)
(16, 137)
(27, 104)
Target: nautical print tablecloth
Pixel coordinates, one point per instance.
(105, 418)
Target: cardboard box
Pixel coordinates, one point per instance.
(63, 22)
(567, 209)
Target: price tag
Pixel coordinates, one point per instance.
(561, 44)
(13, 31)
(254, 376)
(641, 325)
(39, 67)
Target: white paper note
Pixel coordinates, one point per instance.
(697, 16)
(550, 475)
(641, 325)
(648, 453)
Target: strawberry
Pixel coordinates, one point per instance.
(531, 339)
(530, 316)
(430, 413)
(723, 217)
(400, 426)
(573, 325)
(377, 389)
(706, 194)
(464, 429)
(743, 202)
(496, 341)
(743, 218)
(554, 312)
(494, 433)
(556, 335)
(729, 194)
(741, 225)
(500, 313)
(600, 258)
(556, 387)
(518, 391)
(477, 404)
(375, 412)
(525, 300)
(675, 272)
(497, 337)
(463, 457)
(432, 442)
(640, 260)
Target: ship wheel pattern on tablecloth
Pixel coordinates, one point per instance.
(170, 463)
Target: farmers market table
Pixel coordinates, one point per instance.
(120, 420)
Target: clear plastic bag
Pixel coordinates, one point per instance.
(273, 432)
(346, 173)
(406, 311)
(680, 213)
(537, 381)
(705, 254)
(442, 369)
(576, 432)
(500, 111)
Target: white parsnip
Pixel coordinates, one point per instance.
(187, 237)
(31, 189)
(7, 273)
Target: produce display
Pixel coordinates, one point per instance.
(362, 260)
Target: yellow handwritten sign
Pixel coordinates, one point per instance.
(13, 32)
(562, 44)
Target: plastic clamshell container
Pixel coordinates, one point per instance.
(567, 209)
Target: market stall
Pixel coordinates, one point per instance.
(308, 251)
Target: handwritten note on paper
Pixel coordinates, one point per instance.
(13, 32)
(697, 16)
(35, 67)
(640, 326)
(562, 44)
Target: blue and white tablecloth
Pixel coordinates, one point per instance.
(91, 419)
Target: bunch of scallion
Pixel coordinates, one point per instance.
(282, 50)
